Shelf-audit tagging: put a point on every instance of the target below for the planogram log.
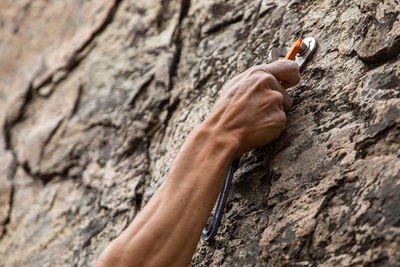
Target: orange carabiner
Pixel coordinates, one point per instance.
(291, 55)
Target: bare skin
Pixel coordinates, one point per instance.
(249, 113)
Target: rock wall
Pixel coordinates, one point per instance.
(96, 97)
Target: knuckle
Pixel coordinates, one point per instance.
(265, 81)
(253, 70)
(269, 78)
(280, 120)
(276, 97)
(257, 69)
(258, 85)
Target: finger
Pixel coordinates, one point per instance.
(273, 84)
(286, 71)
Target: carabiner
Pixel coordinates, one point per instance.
(210, 231)
(307, 49)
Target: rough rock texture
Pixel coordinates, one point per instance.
(96, 97)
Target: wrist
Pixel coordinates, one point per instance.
(206, 149)
(220, 140)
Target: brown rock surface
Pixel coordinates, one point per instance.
(96, 97)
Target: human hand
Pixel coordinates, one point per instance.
(252, 104)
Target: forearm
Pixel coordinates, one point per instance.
(166, 232)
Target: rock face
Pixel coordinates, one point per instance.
(96, 97)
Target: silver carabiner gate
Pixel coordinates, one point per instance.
(307, 49)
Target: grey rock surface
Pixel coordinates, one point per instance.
(96, 98)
